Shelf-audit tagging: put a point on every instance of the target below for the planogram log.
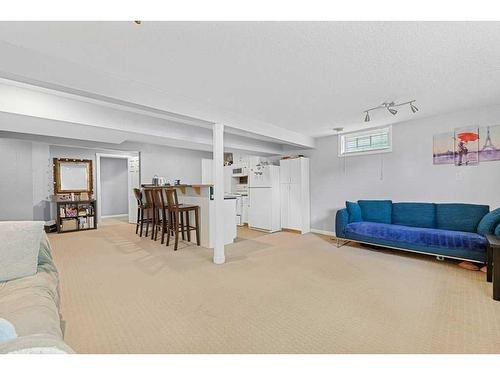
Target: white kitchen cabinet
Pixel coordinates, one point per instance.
(284, 203)
(294, 191)
(285, 171)
(295, 208)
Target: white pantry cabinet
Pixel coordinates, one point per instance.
(294, 191)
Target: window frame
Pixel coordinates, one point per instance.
(342, 137)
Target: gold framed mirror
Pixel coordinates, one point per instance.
(72, 176)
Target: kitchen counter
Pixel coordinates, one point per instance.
(202, 195)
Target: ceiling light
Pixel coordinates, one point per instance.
(392, 110)
(390, 107)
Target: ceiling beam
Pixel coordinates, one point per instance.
(31, 67)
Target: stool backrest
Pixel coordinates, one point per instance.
(138, 196)
(171, 198)
(148, 193)
(157, 198)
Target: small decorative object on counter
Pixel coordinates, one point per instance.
(177, 182)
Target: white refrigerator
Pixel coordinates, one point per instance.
(264, 198)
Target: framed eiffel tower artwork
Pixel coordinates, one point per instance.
(467, 146)
(489, 143)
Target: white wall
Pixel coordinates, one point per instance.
(114, 186)
(171, 163)
(406, 174)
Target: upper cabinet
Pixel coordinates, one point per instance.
(291, 170)
(285, 171)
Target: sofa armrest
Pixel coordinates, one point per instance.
(341, 221)
(497, 231)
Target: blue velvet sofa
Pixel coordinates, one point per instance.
(451, 230)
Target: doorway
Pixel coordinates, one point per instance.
(117, 175)
(114, 187)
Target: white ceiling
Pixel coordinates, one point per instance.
(303, 76)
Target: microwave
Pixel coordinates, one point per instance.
(239, 172)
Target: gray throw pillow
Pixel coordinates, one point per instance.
(19, 246)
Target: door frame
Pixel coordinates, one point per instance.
(98, 157)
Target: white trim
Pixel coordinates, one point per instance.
(110, 216)
(98, 157)
(324, 232)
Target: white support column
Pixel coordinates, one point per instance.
(218, 166)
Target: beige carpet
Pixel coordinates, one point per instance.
(279, 293)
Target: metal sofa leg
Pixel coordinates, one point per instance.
(341, 243)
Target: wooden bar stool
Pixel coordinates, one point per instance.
(142, 208)
(177, 212)
(161, 214)
(148, 194)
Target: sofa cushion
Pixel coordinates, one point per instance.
(497, 231)
(31, 303)
(422, 215)
(424, 238)
(489, 222)
(376, 211)
(354, 211)
(19, 248)
(460, 216)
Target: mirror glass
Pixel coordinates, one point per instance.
(74, 176)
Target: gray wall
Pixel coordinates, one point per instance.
(114, 186)
(27, 174)
(43, 184)
(406, 174)
(171, 163)
(81, 153)
(16, 188)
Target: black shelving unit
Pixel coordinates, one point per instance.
(76, 215)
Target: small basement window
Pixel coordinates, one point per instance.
(366, 142)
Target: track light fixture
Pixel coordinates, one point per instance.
(390, 108)
(413, 108)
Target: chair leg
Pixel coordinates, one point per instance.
(169, 228)
(197, 223)
(141, 215)
(153, 224)
(138, 219)
(148, 214)
(182, 224)
(188, 227)
(176, 231)
(164, 225)
(158, 223)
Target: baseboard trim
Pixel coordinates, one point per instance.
(324, 232)
(109, 216)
